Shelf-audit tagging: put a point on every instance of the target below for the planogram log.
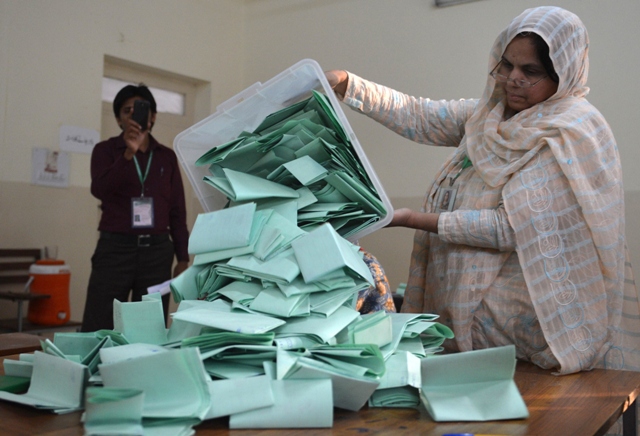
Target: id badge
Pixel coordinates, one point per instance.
(446, 198)
(142, 212)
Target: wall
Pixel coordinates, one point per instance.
(51, 64)
(441, 53)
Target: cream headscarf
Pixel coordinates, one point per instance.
(558, 165)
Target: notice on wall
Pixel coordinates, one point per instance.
(78, 139)
(50, 168)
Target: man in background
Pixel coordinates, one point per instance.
(143, 222)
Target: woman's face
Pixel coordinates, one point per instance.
(520, 62)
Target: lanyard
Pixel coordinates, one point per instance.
(466, 163)
(146, 172)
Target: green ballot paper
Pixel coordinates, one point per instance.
(472, 386)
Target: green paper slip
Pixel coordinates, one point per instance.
(140, 321)
(327, 112)
(174, 383)
(402, 397)
(276, 236)
(75, 342)
(245, 353)
(129, 351)
(19, 368)
(415, 347)
(113, 411)
(260, 218)
(354, 190)
(242, 187)
(365, 356)
(212, 232)
(278, 117)
(280, 268)
(322, 252)
(403, 369)
(230, 321)
(399, 322)
(456, 387)
(304, 169)
(273, 302)
(316, 150)
(293, 401)
(279, 153)
(218, 153)
(229, 397)
(209, 341)
(374, 328)
(184, 287)
(241, 292)
(324, 328)
(299, 286)
(327, 302)
(56, 384)
(296, 342)
(350, 392)
(226, 370)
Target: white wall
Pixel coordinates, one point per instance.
(51, 56)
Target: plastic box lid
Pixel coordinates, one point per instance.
(245, 111)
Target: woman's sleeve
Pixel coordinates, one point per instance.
(420, 119)
(486, 228)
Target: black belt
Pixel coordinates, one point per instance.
(137, 240)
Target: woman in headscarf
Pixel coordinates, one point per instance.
(529, 246)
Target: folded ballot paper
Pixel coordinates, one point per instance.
(57, 384)
(400, 384)
(472, 386)
(111, 411)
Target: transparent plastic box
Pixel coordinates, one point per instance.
(245, 111)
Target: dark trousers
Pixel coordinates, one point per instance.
(121, 267)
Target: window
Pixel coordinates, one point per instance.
(169, 102)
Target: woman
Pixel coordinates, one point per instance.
(530, 250)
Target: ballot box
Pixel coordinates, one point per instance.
(247, 111)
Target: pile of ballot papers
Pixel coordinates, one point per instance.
(298, 161)
(266, 331)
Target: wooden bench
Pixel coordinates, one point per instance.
(14, 269)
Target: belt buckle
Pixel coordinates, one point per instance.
(144, 240)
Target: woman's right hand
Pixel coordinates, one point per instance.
(338, 80)
(134, 137)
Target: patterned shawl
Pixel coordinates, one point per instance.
(559, 169)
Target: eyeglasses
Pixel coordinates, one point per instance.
(518, 82)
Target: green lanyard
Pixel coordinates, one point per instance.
(146, 172)
(466, 163)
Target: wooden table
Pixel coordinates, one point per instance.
(582, 404)
(16, 343)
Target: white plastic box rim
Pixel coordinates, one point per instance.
(245, 111)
